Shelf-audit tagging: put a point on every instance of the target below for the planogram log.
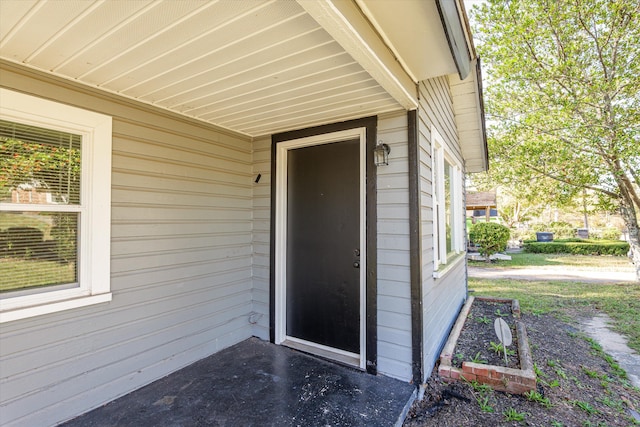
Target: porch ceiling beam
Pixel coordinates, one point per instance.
(344, 21)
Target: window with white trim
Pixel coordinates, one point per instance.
(55, 203)
(447, 197)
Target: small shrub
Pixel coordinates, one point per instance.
(539, 226)
(609, 234)
(491, 237)
(561, 230)
(522, 235)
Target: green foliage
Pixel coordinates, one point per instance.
(64, 233)
(513, 415)
(611, 403)
(522, 235)
(607, 234)
(598, 351)
(484, 320)
(585, 406)
(620, 302)
(478, 358)
(484, 403)
(562, 102)
(562, 230)
(498, 348)
(479, 387)
(19, 273)
(500, 314)
(578, 247)
(590, 372)
(534, 396)
(49, 167)
(491, 237)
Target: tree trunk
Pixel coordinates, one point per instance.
(584, 209)
(631, 221)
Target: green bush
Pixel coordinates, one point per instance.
(562, 230)
(539, 226)
(490, 236)
(518, 234)
(578, 247)
(607, 234)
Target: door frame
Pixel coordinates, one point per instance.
(282, 187)
(365, 130)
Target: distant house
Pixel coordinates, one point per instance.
(229, 187)
(482, 206)
(30, 195)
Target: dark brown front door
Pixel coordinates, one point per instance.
(323, 253)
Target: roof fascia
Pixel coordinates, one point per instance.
(483, 123)
(346, 23)
(454, 29)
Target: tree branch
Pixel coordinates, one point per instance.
(557, 178)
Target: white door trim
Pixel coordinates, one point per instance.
(281, 337)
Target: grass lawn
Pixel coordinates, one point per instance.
(552, 261)
(621, 302)
(19, 273)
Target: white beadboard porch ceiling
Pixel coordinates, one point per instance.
(251, 66)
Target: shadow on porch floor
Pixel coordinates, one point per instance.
(255, 383)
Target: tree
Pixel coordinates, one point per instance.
(562, 96)
(519, 199)
(48, 167)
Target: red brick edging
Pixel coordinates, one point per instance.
(516, 381)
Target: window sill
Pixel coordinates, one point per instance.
(53, 307)
(445, 268)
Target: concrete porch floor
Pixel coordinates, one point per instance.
(255, 383)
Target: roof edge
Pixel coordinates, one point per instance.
(457, 34)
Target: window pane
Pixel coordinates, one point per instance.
(38, 249)
(448, 211)
(38, 165)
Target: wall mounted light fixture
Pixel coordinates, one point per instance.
(381, 154)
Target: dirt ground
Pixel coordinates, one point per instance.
(478, 336)
(578, 384)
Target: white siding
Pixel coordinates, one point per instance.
(441, 298)
(180, 268)
(394, 291)
(261, 236)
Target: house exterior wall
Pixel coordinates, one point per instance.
(181, 245)
(442, 297)
(394, 291)
(261, 235)
(190, 257)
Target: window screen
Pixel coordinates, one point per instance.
(40, 169)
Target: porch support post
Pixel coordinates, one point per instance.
(415, 249)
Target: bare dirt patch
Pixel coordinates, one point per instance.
(577, 386)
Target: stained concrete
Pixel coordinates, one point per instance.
(255, 383)
(615, 345)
